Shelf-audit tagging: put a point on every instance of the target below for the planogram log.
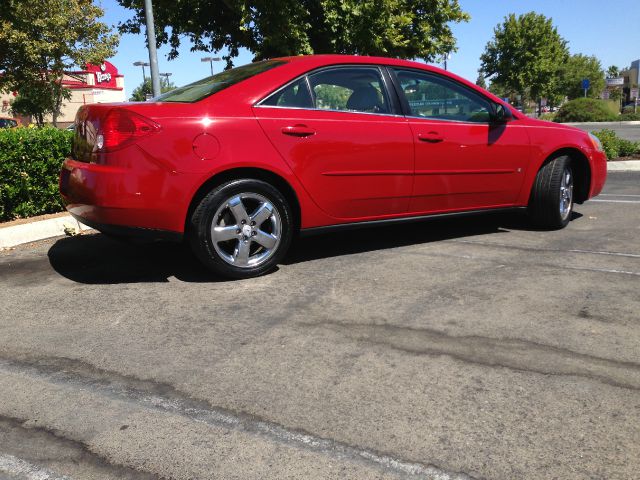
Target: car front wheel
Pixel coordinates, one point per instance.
(551, 201)
(241, 229)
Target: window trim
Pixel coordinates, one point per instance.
(406, 108)
(395, 106)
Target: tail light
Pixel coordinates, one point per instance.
(121, 127)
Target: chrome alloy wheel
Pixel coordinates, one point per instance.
(245, 239)
(566, 193)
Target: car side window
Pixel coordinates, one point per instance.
(295, 95)
(351, 89)
(436, 97)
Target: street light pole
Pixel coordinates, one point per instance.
(151, 43)
(166, 78)
(447, 56)
(142, 64)
(210, 60)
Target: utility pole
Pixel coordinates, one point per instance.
(151, 43)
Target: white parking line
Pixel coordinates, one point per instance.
(543, 249)
(17, 467)
(615, 201)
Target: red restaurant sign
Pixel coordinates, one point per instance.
(105, 74)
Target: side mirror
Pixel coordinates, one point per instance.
(501, 114)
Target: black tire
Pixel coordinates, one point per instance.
(201, 222)
(545, 204)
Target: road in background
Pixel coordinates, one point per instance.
(626, 130)
(468, 348)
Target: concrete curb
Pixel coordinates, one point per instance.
(14, 235)
(624, 166)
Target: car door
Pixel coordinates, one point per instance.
(344, 139)
(463, 160)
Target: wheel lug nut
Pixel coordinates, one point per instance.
(238, 230)
(243, 222)
(254, 233)
(253, 224)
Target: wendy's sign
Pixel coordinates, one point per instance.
(105, 74)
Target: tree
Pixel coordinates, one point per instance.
(481, 81)
(272, 28)
(575, 70)
(525, 56)
(34, 100)
(613, 72)
(41, 40)
(145, 90)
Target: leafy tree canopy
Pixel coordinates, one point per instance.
(145, 90)
(480, 81)
(577, 68)
(272, 28)
(526, 55)
(613, 72)
(39, 40)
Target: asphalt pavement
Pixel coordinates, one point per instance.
(626, 130)
(469, 348)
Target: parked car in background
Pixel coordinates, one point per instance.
(8, 122)
(240, 162)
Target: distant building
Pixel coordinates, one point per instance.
(94, 84)
(630, 76)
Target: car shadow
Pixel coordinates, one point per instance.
(98, 259)
(422, 231)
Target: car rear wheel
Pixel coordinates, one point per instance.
(241, 229)
(551, 201)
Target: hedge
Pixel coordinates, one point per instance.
(615, 146)
(585, 110)
(30, 160)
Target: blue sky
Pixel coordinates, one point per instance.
(608, 30)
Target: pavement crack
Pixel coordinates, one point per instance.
(26, 446)
(513, 354)
(166, 398)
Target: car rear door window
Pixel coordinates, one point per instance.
(433, 96)
(295, 95)
(351, 89)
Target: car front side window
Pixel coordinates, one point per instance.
(435, 97)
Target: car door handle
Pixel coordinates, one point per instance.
(431, 137)
(298, 131)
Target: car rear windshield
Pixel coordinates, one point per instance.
(196, 91)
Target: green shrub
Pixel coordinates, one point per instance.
(628, 109)
(30, 160)
(549, 116)
(585, 110)
(615, 146)
(627, 117)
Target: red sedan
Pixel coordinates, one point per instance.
(241, 161)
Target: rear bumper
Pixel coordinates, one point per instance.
(121, 201)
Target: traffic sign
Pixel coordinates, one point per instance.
(586, 84)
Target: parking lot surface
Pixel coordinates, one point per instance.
(624, 130)
(468, 348)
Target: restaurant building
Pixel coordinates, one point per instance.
(95, 84)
